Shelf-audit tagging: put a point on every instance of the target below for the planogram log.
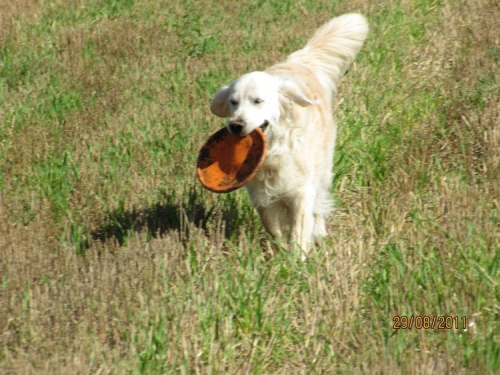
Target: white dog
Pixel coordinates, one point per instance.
(292, 103)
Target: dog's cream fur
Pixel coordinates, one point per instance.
(292, 101)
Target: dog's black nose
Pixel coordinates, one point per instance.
(236, 128)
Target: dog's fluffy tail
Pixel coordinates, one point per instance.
(333, 48)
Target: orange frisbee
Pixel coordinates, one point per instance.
(227, 162)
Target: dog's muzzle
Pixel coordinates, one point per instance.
(236, 127)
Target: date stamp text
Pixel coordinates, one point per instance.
(429, 322)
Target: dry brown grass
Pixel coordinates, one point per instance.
(172, 279)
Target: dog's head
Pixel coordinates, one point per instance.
(254, 100)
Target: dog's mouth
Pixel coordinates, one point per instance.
(264, 126)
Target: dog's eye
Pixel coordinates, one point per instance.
(234, 102)
(258, 101)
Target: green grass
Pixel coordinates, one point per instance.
(113, 259)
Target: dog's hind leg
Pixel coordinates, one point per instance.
(319, 230)
(322, 208)
(272, 217)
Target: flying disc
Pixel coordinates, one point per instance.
(227, 162)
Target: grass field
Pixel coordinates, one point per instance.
(113, 259)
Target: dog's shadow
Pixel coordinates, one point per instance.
(170, 216)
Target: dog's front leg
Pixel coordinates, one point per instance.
(302, 222)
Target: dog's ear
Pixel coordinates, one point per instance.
(220, 102)
(292, 91)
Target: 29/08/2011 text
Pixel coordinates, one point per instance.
(429, 322)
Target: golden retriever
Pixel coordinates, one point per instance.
(292, 103)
